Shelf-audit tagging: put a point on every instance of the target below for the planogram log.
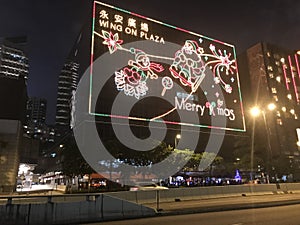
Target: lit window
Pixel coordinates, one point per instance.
(283, 109)
(275, 98)
(278, 113)
(270, 68)
(289, 96)
(292, 111)
(278, 78)
(282, 60)
(268, 54)
(271, 75)
(274, 91)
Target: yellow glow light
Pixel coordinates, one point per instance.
(271, 106)
(292, 111)
(255, 111)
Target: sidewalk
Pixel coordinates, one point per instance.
(224, 204)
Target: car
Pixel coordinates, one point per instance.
(147, 187)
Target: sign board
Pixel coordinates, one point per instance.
(164, 70)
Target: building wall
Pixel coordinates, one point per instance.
(10, 143)
(13, 75)
(67, 83)
(275, 78)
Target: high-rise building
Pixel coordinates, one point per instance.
(274, 74)
(13, 97)
(35, 126)
(67, 83)
(36, 110)
(13, 61)
(13, 75)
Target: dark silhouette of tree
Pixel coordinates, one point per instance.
(3, 161)
(72, 162)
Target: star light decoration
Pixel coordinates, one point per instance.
(112, 41)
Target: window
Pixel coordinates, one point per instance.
(279, 121)
(278, 78)
(278, 114)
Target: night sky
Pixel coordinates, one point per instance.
(52, 28)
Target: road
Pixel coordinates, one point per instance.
(282, 215)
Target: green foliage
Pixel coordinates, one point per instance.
(139, 158)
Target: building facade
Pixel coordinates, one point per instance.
(275, 79)
(36, 110)
(13, 97)
(67, 84)
(13, 76)
(13, 60)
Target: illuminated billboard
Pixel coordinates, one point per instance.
(162, 70)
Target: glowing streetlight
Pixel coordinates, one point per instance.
(255, 111)
(177, 137)
(271, 106)
(298, 135)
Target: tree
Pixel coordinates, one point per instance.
(73, 164)
(3, 160)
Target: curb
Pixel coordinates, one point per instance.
(220, 208)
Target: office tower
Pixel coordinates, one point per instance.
(67, 83)
(13, 75)
(36, 110)
(13, 61)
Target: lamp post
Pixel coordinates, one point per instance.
(298, 135)
(178, 136)
(255, 112)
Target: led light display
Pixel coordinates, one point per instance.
(205, 69)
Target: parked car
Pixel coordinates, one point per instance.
(147, 187)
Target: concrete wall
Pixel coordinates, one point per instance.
(290, 187)
(10, 142)
(196, 193)
(94, 208)
(66, 209)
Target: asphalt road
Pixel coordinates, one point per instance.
(281, 215)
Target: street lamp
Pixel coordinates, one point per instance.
(298, 135)
(255, 112)
(178, 136)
